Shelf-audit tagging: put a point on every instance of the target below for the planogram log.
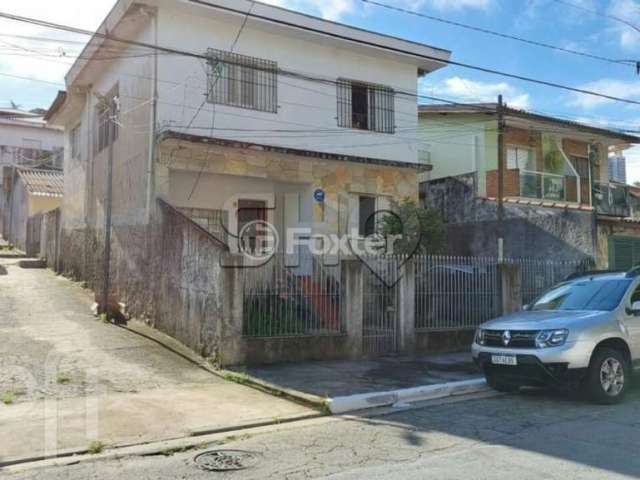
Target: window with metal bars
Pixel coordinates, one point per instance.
(104, 118)
(365, 106)
(242, 81)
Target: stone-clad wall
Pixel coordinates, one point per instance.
(336, 177)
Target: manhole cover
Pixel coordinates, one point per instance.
(226, 460)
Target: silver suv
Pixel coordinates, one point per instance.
(584, 332)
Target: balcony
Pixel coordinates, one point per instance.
(612, 200)
(546, 186)
(539, 185)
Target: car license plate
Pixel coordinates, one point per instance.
(504, 360)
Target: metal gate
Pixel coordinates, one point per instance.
(380, 306)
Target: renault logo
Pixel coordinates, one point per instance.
(506, 338)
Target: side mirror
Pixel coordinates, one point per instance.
(635, 309)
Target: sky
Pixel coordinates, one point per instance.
(598, 27)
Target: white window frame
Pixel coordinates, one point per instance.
(518, 148)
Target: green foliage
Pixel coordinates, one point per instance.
(96, 447)
(8, 398)
(422, 229)
(553, 159)
(63, 378)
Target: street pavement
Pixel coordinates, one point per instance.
(68, 379)
(532, 435)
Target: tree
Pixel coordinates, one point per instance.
(421, 230)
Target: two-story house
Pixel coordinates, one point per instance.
(556, 180)
(232, 111)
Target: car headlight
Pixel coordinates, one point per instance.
(551, 338)
(480, 336)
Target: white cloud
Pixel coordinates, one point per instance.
(629, 11)
(18, 56)
(329, 9)
(618, 88)
(338, 9)
(460, 4)
(470, 91)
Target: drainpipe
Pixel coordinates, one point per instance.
(153, 120)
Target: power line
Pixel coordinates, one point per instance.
(600, 14)
(500, 34)
(310, 77)
(57, 84)
(213, 119)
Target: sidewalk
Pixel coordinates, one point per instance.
(68, 379)
(351, 385)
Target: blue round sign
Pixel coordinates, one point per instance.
(319, 195)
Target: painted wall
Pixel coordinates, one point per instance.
(14, 134)
(460, 144)
(302, 105)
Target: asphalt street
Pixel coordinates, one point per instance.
(534, 434)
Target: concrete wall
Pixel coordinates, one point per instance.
(530, 231)
(18, 215)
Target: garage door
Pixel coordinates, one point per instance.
(624, 252)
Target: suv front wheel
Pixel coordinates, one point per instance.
(608, 377)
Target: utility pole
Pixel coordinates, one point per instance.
(111, 126)
(501, 173)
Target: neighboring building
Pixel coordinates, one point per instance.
(618, 167)
(27, 140)
(277, 116)
(27, 192)
(556, 180)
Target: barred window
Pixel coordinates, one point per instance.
(241, 81)
(74, 140)
(365, 106)
(104, 119)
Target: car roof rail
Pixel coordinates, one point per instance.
(634, 272)
(588, 273)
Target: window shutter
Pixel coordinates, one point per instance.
(621, 253)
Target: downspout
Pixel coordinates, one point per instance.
(153, 120)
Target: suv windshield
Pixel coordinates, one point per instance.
(586, 294)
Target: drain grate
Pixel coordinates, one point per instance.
(226, 460)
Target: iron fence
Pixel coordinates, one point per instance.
(539, 275)
(293, 297)
(455, 292)
(381, 275)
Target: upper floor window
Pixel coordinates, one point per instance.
(106, 115)
(521, 158)
(241, 81)
(74, 141)
(365, 106)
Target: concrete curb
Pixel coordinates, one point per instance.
(191, 438)
(307, 399)
(340, 405)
